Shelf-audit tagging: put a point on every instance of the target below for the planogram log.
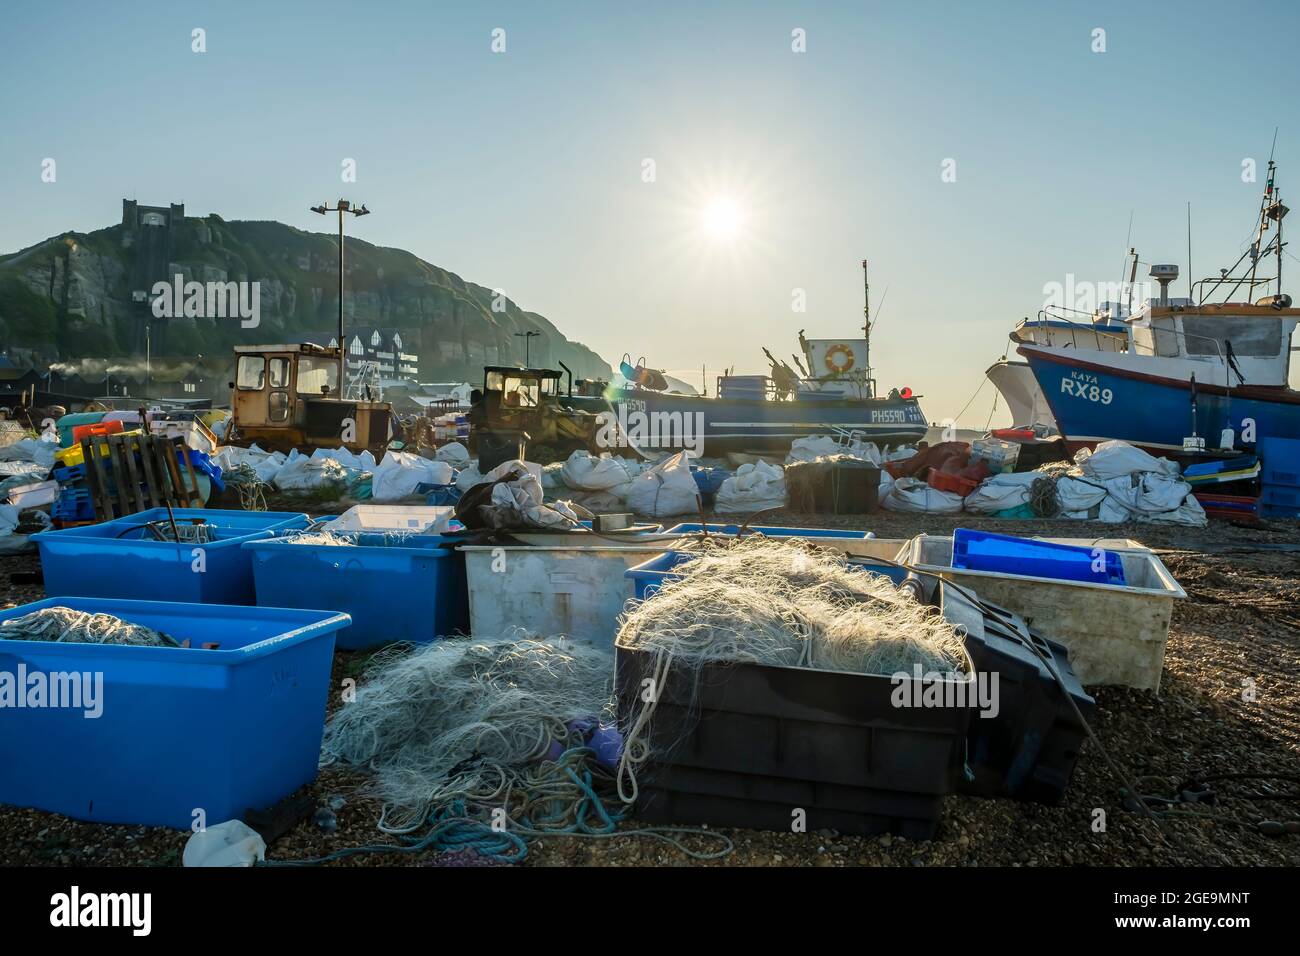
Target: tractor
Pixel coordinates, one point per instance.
(519, 413)
(288, 396)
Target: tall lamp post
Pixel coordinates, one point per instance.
(342, 207)
(528, 340)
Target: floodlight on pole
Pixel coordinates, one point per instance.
(528, 338)
(341, 207)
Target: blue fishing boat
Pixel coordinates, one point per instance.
(830, 389)
(1194, 379)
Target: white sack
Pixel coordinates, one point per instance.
(301, 473)
(453, 453)
(584, 472)
(398, 475)
(754, 487)
(1001, 492)
(914, 495)
(1114, 458)
(668, 488)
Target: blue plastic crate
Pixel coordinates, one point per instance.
(180, 729)
(1281, 458)
(1279, 501)
(118, 559)
(648, 576)
(396, 588)
(1008, 554)
(70, 474)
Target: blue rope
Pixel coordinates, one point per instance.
(454, 829)
(451, 830)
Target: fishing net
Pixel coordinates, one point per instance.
(469, 721)
(781, 602)
(775, 602)
(64, 625)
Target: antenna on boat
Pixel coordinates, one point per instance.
(1189, 251)
(866, 300)
(1132, 277)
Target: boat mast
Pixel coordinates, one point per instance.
(866, 325)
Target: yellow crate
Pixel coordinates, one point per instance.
(72, 457)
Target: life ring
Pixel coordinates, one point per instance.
(840, 365)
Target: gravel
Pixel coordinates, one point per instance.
(1229, 702)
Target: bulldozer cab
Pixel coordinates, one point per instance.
(516, 398)
(287, 396)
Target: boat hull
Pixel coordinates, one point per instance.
(1095, 402)
(1016, 384)
(757, 425)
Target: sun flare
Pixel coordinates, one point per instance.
(722, 219)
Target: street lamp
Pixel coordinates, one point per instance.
(527, 337)
(342, 207)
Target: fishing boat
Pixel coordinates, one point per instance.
(1014, 379)
(1196, 379)
(830, 389)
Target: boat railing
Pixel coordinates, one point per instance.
(1076, 328)
(1137, 347)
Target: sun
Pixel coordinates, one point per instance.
(722, 218)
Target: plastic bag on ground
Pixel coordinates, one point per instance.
(233, 843)
(585, 472)
(755, 487)
(667, 488)
(400, 473)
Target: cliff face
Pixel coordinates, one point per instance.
(76, 297)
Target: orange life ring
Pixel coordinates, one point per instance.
(844, 364)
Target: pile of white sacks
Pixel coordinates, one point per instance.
(393, 478)
(1114, 484)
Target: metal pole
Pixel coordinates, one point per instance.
(342, 351)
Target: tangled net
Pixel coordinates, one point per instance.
(66, 626)
(250, 488)
(781, 602)
(467, 721)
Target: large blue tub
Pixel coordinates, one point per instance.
(118, 559)
(180, 731)
(395, 587)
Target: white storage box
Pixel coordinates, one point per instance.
(1115, 635)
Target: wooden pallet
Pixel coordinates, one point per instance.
(127, 474)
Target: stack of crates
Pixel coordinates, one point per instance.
(1280, 479)
(73, 507)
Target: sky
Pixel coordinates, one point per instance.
(674, 180)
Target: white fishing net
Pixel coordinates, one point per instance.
(468, 720)
(68, 626)
(782, 602)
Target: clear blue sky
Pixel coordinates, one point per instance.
(523, 170)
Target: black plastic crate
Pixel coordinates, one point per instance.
(1029, 749)
(750, 744)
